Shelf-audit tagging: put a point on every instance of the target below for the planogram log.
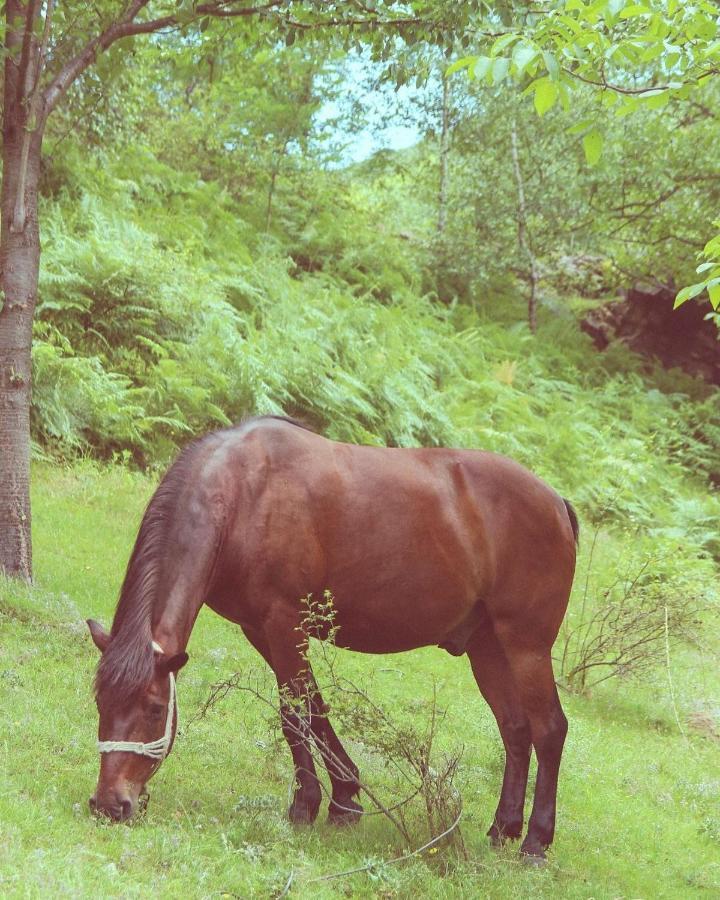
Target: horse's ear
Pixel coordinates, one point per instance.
(173, 664)
(100, 637)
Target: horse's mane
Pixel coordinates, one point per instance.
(298, 423)
(127, 667)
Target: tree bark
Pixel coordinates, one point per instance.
(523, 239)
(19, 265)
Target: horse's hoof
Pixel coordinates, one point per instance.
(533, 860)
(346, 813)
(302, 814)
(500, 836)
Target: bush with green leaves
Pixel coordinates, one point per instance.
(163, 336)
(636, 595)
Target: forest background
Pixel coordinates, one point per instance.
(215, 246)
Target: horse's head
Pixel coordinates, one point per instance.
(134, 735)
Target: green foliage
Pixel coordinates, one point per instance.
(640, 54)
(177, 344)
(711, 270)
(636, 56)
(156, 326)
(643, 212)
(635, 596)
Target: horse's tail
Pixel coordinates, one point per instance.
(574, 524)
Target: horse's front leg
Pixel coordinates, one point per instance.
(295, 722)
(344, 775)
(284, 645)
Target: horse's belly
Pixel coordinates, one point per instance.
(390, 615)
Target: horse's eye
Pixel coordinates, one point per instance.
(156, 710)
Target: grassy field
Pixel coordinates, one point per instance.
(638, 802)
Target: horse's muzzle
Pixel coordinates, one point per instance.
(119, 811)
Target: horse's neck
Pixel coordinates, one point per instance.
(173, 624)
(184, 576)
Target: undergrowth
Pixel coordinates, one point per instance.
(155, 327)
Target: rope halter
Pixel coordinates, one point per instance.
(154, 749)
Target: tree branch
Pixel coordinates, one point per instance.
(618, 89)
(126, 26)
(223, 10)
(87, 56)
(352, 22)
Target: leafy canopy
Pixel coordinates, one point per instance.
(636, 55)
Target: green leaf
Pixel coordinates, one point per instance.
(551, 64)
(564, 96)
(593, 146)
(652, 52)
(656, 99)
(580, 126)
(609, 99)
(714, 292)
(687, 293)
(523, 55)
(546, 94)
(626, 106)
(504, 41)
(635, 9)
(464, 63)
(501, 67)
(481, 67)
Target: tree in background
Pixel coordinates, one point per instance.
(216, 77)
(633, 55)
(48, 49)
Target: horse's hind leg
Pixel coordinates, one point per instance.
(531, 667)
(495, 680)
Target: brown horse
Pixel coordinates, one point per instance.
(462, 549)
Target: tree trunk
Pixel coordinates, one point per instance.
(19, 267)
(20, 262)
(276, 166)
(444, 155)
(523, 239)
(271, 194)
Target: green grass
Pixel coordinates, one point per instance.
(638, 814)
